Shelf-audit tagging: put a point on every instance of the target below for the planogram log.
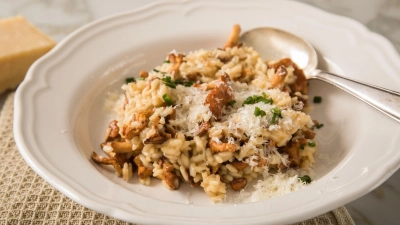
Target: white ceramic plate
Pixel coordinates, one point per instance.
(59, 116)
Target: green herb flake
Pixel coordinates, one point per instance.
(177, 81)
(231, 103)
(312, 144)
(167, 61)
(169, 82)
(157, 71)
(130, 80)
(317, 99)
(170, 85)
(273, 118)
(302, 147)
(267, 101)
(256, 99)
(167, 79)
(276, 112)
(141, 78)
(248, 101)
(167, 100)
(257, 111)
(188, 84)
(306, 179)
(319, 125)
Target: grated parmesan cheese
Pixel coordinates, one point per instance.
(272, 185)
(190, 109)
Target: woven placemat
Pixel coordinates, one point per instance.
(25, 198)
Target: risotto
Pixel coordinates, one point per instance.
(215, 119)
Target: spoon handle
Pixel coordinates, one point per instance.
(386, 101)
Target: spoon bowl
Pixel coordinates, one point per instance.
(275, 44)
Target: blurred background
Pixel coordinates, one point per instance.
(58, 18)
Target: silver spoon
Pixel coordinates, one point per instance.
(275, 44)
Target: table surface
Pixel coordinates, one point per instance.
(58, 18)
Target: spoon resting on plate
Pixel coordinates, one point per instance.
(273, 43)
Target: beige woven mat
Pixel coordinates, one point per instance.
(25, 198)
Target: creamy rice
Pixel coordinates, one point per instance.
(216, 119)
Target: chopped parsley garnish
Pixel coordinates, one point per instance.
(302, 147)
(231, 103)
(186, 84)
(276, 112)
(306, 179)
(130, 80)
(141, 78)
(265, 100)
(156, 70)
(319, 125)
(167, 100)
(317, 99)
(169, 82)
(167, 61)
(172, 83)
(248, 101)
(312, 144)
(257, 98)
(264, 95)
(259, 112)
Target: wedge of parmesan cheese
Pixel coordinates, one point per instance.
(20, 45)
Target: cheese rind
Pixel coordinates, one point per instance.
(21, 44)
